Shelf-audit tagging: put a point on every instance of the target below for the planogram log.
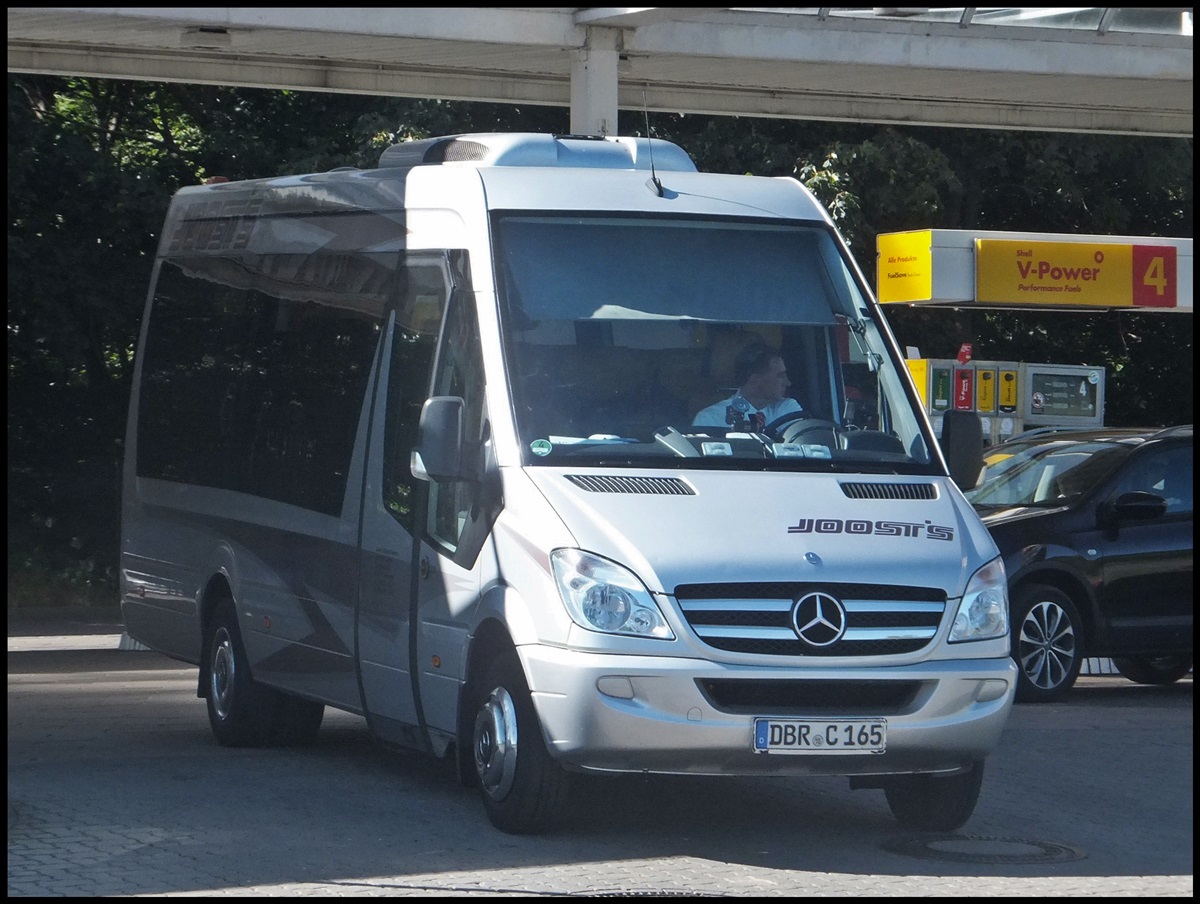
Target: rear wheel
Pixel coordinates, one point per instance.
(524, 789)
(1046, 647)
(241, 711)
(239, 708)
(297, 721)
(935, 803)
(1165, 669)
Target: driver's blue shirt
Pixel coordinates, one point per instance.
(725, 414)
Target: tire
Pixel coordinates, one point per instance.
(239, 708)
(524, 790)
(297, 721)
(935, 803)
(241, 711)
(1166, 669)
(1047, 635)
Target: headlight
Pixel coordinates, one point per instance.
(603, 596)
(983, 610)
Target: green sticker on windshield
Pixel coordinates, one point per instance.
(541, 446)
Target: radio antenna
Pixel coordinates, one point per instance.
(650, 144)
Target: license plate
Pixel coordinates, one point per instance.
(806, 736)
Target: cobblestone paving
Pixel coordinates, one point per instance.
(116, 787)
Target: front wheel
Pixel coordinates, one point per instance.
(935, 803)
(524, 789)
(1046, 644)
(1166, 669)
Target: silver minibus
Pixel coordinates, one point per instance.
(554, 455)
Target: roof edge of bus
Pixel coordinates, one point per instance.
(540, 149)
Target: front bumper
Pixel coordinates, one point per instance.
(660, 720)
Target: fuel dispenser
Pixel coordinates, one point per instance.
(1011, 396)
(990, 270)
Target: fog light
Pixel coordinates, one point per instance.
(615, 686)
(991, 689)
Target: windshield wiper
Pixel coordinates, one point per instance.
(676, 442)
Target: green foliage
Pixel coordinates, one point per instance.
(760, 147)
(830, 186)
(906, 180)
(92, 165)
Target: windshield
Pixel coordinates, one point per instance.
(637, 340)
(1048, 473)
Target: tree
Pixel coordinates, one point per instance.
(90, 170)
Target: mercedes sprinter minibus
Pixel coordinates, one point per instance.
(423, 443)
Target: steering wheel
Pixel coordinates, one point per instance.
(795, 424)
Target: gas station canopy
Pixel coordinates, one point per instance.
(1078, 69)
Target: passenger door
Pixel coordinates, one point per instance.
(1146, 594)
(457, 518)
(393, 500)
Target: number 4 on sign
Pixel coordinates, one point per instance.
(1154, 279)
(1156, 276)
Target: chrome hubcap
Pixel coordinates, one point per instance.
(222, 674)
(495, 743)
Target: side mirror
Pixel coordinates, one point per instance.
(439, 451)
(962, 445)
(1134, 506)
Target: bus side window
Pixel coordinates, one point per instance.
(422, 301)
(459, 373)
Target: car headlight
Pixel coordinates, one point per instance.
(603, 596)
(983, 609)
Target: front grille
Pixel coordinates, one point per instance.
(880, 620)
(766, 697)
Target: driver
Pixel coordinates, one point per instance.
(760, 399)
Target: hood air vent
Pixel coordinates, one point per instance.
(646, 486)
(890, 490)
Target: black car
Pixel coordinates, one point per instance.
(1095, 528)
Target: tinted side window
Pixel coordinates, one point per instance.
(254, 372)
(421, 302)
(1166, 472)
(459, 373)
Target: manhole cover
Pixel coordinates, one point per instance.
(982, 849)
(649, 893)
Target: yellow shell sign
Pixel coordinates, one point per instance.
(904, 266)
(1066, 274)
